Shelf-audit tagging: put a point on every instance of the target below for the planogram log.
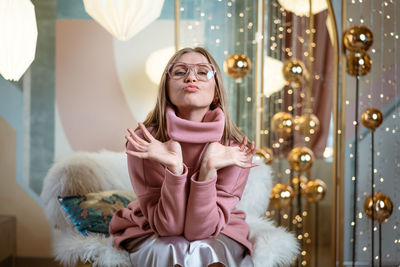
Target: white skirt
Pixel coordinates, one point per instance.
(156, 251)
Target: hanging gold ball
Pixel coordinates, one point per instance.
(266, 154)
(372, 118)
(282, 123)
(358, 39)
(301, 158)
(237, 65)
(295, 72)
(281, 196)
(358, 63)
(315, 191)
(307, 124)
(382, 206)
(299, 181)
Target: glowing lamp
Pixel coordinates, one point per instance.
(273, 77)
(302, 7)
(156, 62)
(123, 18)
(18, 35)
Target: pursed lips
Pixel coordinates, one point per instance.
(191, 88)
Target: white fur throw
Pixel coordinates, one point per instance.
(272, 246)
(71, 247)
(255, 198)
(84, 172)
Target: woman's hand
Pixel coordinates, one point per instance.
(169, 153)
(218, 156)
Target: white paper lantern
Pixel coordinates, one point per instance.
(302, 7)
(18, 35)
(124, 18)
(273, 77)
(156, 63)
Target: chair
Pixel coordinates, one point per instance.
(86, 172)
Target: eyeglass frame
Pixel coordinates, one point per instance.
(191, 67)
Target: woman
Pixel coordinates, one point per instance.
(188, 165)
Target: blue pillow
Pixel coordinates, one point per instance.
(92, 212)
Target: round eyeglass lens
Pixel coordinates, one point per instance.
(202, 71)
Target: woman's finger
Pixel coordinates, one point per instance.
(137, 138)
(247, 164)
(136, 145)
(254, 164)
(254, 149)
(242, 157)
(250, 164)
(251, 149)
(243, 143)
(146, 133)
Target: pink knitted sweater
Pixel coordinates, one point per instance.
(171, 204)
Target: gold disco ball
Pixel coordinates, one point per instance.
(237, 65)
(372, 118)
(307, 124)
(358, 63)
(299, 182)
(295, 72)
(281, 196)
(301, 158)
(282, 123)
(358, 39)
(382, 206)
(266, 154)
(315, 191)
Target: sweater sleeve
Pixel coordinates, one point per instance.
(162, 195)
(211, 202)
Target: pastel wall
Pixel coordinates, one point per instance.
(16, 197)
(92, 108)
(33, 231)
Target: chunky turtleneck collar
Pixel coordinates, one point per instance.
(210, 129)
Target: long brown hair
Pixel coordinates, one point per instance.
(156, 118)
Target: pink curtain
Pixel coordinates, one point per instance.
(297, 41)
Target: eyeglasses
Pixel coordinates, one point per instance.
(203, 71)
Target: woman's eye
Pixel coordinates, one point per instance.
(180, 73)
(203, 71)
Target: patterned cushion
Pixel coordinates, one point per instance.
(92, 212)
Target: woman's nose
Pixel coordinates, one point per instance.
(191, 77)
